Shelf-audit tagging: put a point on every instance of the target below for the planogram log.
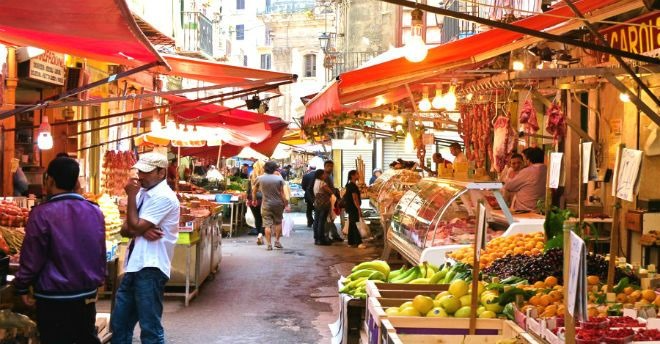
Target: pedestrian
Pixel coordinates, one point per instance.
(308, 186)
(330, 228)
(63, 259)
(322, 195)
(274, 203)
(376, 173)
(255, 203)
(152, 220)
(352, 201)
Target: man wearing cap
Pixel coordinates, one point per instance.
(152, 218)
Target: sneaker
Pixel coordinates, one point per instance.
(278, 245)
(269, 248)
(260, 240)
(362, 246)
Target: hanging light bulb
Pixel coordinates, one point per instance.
(624, 97)
(156, 125)
(469, 96)
(409, 144)
(388, 119)
(44, 138)
(450, 99)
(399, 119)
(518, 65)
(437, 100)
(425, 104)
(416, 49)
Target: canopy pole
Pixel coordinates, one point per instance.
(219, 152)
(178, 164)
(78, 90)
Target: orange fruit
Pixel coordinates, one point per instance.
(546, 300)
(539, 285)
(621, 298)
(635, 296)
(628, 290)
(535, 300)
(556, 295)
(551, 281)
(649, 295)
(593, 279)
(657, 301)
(540, 245)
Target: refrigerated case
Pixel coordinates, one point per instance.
(437, 216)
(388, 189)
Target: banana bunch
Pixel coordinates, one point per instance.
(356, 282)
(427, 273)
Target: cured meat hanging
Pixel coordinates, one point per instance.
(503, 142)
(474, 127)
(528, 118)
(116, 170)
(556, 123)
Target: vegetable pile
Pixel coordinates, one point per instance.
(518, 244)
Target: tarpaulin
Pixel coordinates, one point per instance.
(102, 30)
(373, 80)
(220, 73)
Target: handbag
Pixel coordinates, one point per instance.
(363, 228)
(249, 218)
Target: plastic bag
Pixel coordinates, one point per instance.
(364, 229)
(249, 218)
(344, 230)
(287, 225)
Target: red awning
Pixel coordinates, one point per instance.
(219, 73)
(360, 84)
(211, 115)
(102, 30)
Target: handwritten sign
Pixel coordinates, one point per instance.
(627, 174)
(555, 170)
(588, 163)
(577, 288)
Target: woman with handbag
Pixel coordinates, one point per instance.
(352, 203)
(257, 170)
(322, 207)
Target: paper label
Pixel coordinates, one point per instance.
(555, 170)
(627, 180)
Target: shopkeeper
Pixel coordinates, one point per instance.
(437, 159)
(457, 152)
(529, 184)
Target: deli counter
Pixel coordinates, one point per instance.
(437, 216)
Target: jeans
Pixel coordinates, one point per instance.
(310, 211)
(139, 299)
(67, 321)
(320, 218)
(258, 220)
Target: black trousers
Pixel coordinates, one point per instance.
(310, 211)
(258, 220)
(354, 237)
(67, 322)
(320, 218)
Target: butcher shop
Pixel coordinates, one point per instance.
(548, 136)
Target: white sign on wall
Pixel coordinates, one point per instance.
(47, 67)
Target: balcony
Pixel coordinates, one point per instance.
(340, 62)
(197, 35)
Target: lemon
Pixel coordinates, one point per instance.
(437, 312)
(458, 288)
(463, 312)
(392, 311)
(450, 303)
(409, 312)
(406, 304)
(422, 303)
(487, 315)
(466, 300)
(440, 295)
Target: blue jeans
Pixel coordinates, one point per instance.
(139, 299)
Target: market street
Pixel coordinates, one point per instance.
(282, 296)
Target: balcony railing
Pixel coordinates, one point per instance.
(197, 33)
(341, 62)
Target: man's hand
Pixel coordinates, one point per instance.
(153, 234)
(132, 187)
(28, 300)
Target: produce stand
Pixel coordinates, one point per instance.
(437, 216)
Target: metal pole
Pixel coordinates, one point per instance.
(524, 30)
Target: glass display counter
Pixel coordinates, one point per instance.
(437, 216)
(388, 189)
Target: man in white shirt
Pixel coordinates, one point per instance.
(457, 152)
(152, 219)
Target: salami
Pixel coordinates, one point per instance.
(503, 142)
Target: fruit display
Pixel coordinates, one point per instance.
(517, 244)
(11, 215)
(116, 171)
(455, 302)
(110, 210)
(378, 270)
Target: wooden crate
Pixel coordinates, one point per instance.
(420, 330)
(376, 314)
(403, 291)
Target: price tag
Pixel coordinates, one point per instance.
(628, 312)
(653, 323)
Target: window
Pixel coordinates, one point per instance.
(265, 61)
(310, 66)
(240, 32)
(240, 4)
(268, 39)
(245, 60)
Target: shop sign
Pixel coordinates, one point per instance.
(642, 38)
(48, 67)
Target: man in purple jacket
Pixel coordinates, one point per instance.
(63, 259)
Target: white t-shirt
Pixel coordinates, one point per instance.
(159, 206)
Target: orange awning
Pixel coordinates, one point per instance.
(220, 73)
(365, 84)
(102, 30)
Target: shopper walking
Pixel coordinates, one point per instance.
(152, 218)
(63, 259)
(255, 203)
(308, 186)
(352, 201)
(322, 207)
(273, 203)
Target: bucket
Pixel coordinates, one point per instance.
(223, 198)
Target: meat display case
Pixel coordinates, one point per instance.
(437, 216)
(388, 189)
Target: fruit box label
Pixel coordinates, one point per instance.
(188, 227)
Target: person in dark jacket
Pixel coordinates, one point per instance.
(308, 185)
(63, 258)
(352, 201)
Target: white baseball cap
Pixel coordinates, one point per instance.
(150, 161)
